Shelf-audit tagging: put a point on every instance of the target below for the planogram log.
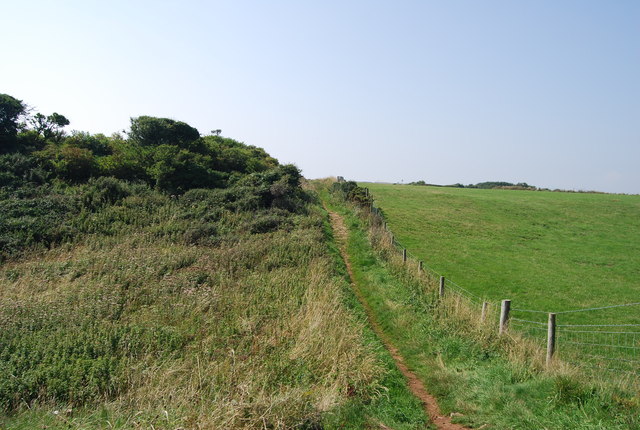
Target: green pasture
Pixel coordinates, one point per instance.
(548, 251)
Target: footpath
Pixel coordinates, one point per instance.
(415, 385)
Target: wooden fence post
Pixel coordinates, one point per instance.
(419, 266)
(504, 316)
(391, 236)
(404, 255)
(483, 316)
(441, 290)
(551, 337)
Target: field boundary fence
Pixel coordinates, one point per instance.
(592, 347)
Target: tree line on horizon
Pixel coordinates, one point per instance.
(484, 185)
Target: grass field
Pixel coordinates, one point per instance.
(543, 250)
(483, 379)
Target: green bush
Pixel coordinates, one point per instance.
(201, 233)
(270, 221)
(18, 169)
(103, 191)
(40, 222)
(350, 190)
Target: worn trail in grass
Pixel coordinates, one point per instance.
(414, 383)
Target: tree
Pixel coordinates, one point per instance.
(49, 127)
(152, 131)
(10, 111)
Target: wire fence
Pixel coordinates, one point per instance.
(593, 347)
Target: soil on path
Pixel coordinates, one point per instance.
(414, 383)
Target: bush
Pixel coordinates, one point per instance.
(270, 221)
(200, 234)
(103, 191)
(68, 162)
(40, 221)
(18, 169)
(351, 191)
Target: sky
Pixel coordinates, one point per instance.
(543, 92)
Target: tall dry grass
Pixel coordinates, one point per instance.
(249, 333)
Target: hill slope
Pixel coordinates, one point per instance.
(546, 251)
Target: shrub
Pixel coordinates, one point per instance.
(104, 191)
(269, 221)
(200, 234)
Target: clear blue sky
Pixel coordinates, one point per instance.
(546, 92)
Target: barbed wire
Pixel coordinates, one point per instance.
(598, 331)
(617, 370)
(608, 345)
(601, 357)
(527, 321)
(529, 310)
(599, 308)
(598, 325)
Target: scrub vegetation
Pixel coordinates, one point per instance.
(171, 280)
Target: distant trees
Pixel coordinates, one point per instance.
(484, 185)
(500, 184)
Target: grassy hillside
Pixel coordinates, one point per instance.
(544, 250)
(483, 379)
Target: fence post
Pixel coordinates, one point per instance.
(441, 290)
(504, 316)
(483, 316)
(391, 236)
(419, 266)
(385, 226)
(551, 337)
(404, 255)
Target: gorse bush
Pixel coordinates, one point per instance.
(105, 191)
(350, 191)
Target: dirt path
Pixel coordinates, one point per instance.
(415, 385)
